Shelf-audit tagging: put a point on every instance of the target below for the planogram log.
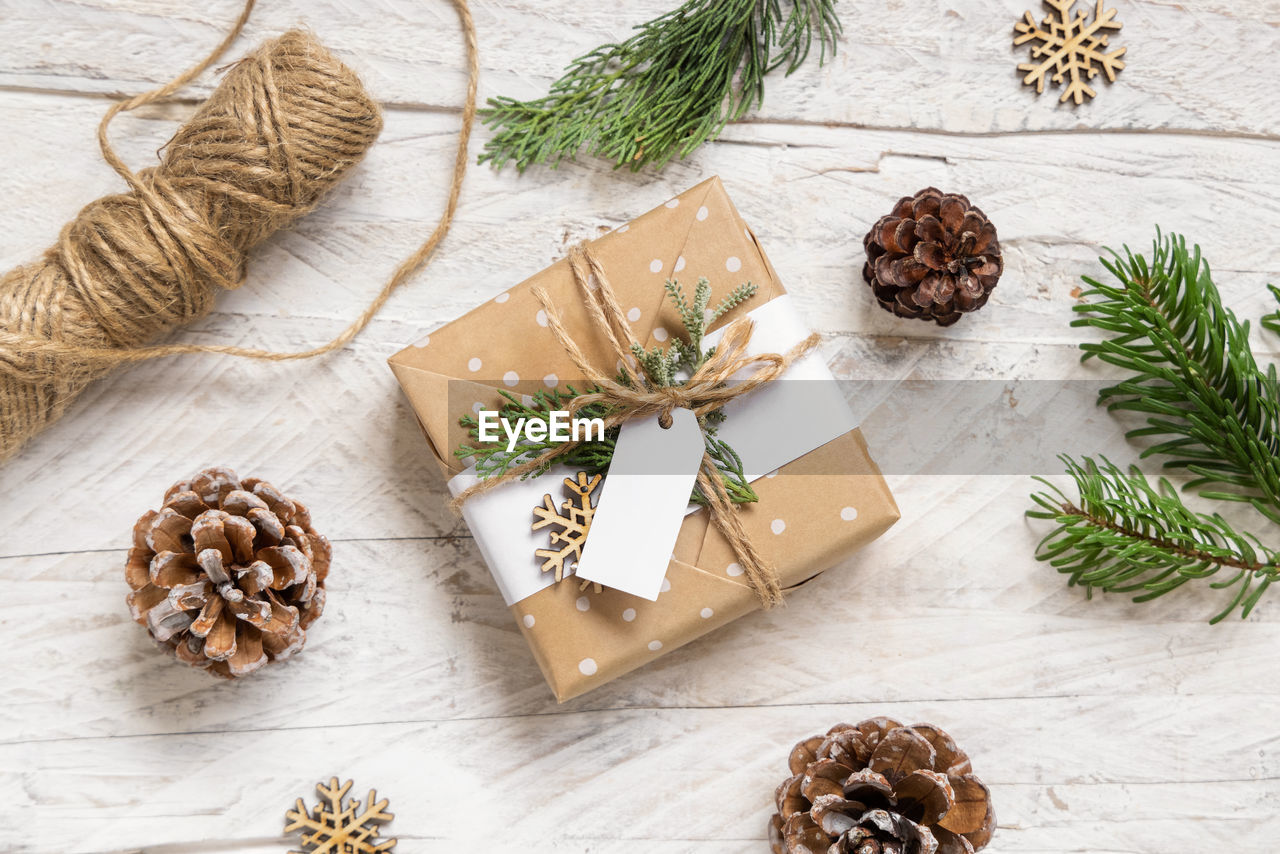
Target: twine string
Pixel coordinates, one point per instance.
(285, 124)
(707, 390)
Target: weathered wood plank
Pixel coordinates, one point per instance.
(810, 194)
(948, 605)
(903, 63)
(1101, 726)
(1066, 774)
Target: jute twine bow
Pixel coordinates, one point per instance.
(638, 396)
(284, 126)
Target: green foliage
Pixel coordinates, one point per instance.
(1272, 320)
(1192, 373)
(661, 366)
(1216, 416)
(663, 92)
(493, 460)
(1125, 535)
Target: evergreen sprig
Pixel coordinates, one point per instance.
(1216, 414)
(1192, 373)
(1125, 535)
(662, 367)
(493, 460)
(1272, 320)
(666, 90)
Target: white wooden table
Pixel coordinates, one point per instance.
(1100, 726)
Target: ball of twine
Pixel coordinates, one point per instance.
(286, 123)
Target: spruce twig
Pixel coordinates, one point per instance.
(1125, 535)
(666, 90)
(1217, 415)
(1272, 320)
(1192, 373)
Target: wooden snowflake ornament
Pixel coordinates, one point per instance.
(1068, 49)
(572, 525)
(334, 827)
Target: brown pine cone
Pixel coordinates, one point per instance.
(881, 788)
(228, 574)
(935, 257)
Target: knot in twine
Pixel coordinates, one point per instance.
(284, 126)
(637, 396)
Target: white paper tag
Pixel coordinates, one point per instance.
(642, 504)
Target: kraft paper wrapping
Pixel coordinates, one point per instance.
(807, 519)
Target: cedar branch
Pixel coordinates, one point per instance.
(663, 92)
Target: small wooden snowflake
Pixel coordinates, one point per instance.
(1068, 49)
(334, 826)
(573, 525)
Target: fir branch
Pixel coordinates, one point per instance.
(666, 90)
(1217, 414)
(1192, 373)
(1127, 536)
(1272, 320)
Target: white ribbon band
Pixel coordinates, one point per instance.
(774, 425)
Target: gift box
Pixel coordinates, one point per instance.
(821, 496)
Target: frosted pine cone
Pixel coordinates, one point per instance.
(228, 574)
(934, 257)
(881, 788)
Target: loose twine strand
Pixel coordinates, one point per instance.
(707, 390)
(285, 125)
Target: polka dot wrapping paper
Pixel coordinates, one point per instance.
(812, 512)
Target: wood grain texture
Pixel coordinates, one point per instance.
(1101, 726)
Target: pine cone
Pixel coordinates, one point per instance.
(881, 788)
(228, 574)
(935, 257)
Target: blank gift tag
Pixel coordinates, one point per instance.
(642, 504)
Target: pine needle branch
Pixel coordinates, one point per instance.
(1125, 535)
(1192, 374)
(1217, 415)
(666, 90)
(1272, 320)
